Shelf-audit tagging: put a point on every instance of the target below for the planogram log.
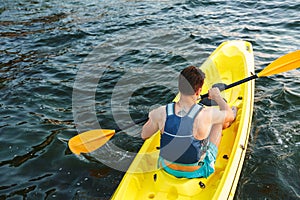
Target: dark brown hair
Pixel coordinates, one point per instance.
(190, 80)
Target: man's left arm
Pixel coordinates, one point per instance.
(151, 125)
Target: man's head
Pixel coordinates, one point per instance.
(190, 80)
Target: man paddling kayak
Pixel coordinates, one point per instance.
(191, 133)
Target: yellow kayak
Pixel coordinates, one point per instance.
(230, 62)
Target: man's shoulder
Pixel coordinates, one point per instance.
(208, 112)
(157, 112)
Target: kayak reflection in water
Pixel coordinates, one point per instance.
(191, 133)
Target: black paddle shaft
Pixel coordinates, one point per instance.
(233, 84)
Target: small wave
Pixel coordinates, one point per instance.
(60, 39)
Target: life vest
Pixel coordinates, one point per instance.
(177, 143)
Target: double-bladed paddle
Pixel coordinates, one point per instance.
(89, 141)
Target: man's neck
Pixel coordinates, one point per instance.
(185, 103)
(187, 100)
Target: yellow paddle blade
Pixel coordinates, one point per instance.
(89, 141)
(284, 63)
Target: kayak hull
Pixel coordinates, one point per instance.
(230, 62)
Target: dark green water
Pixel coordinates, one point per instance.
(71, 66)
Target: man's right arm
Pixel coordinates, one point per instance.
(214, 94)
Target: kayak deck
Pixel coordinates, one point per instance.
(230, 62)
